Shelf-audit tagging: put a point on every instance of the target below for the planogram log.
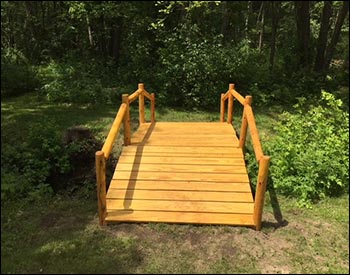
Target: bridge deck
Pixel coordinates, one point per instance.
(181, 173)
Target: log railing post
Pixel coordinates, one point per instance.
(230, 104)
(244, 126)
(141, 87)
(126, 121)
(153, 108)
(101, 186)
(260, 190)
(222, 108)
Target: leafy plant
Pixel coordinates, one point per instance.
(17, 75)
(310, 152)
(76, 80)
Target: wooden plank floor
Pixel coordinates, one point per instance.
(181, 173)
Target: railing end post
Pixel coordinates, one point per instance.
(231, 86)
(141, 86)
(99, 153)
(248, 99)
(101, 186)
(264, 163)
(126, 121)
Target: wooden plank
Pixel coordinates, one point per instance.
(180, 217)
(171, 142)
(183, 206)
(202, 177)
(179, 185)
(185, 155)
(179, 160)
(187, 130)
(187, 137)
(168, 126)
(164, 167)
(189, 123)
(137, 194)
(182, 149)
(185, 142)
(194, 136)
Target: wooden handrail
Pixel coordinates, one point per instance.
(134, 95)
(237, 96)
(123, 115)
(248, 121)
(253, 132)
(108, 145)
(146, 94)
(244, 125)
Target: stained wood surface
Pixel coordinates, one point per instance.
(181, 173)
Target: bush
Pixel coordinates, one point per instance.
(17, 75)
(77, 80)
(41, 156)
(310, 153)
(194, 71)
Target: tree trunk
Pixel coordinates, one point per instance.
(246, 26)
(336, 34)
(116, 36)
(91, 41)
(262, 26)
(224, 23)
(322, 37)
(274, 20)
(302, 12)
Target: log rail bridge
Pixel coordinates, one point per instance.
(182, 172)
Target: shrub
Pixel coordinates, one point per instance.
(17, 75)
(77, 80)
(26, 167)
(310, 153)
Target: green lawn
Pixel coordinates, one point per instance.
(60, 233)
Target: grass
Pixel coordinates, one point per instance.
(60, 233)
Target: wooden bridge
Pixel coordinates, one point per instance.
(182, 172)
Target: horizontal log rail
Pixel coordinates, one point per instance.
(113, 132)
(123, 115)
(134, 95)
(248, 121)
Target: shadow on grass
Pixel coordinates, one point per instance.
(281, 222)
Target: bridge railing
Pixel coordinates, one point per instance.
(123, 115)
(248, 121)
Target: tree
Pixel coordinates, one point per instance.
(322, 37)
(274, 19)
(336, 33)
(302, 13)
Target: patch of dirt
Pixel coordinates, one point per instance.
(271, 269)
(49, 220)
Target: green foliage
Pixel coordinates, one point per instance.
(78, 80)
(17, 75)
(39, 157)
(195, 70)
(310, 152)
